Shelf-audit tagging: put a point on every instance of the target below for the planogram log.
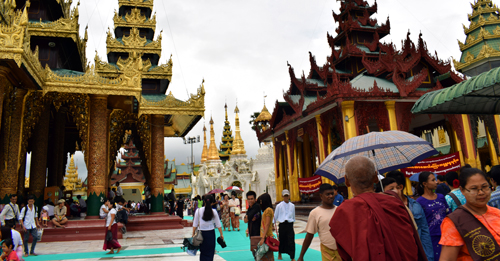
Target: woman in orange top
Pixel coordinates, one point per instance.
(266, 226)
(477, 191)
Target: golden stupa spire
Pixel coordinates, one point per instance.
(71, 180)
(213, 154)
(238, 145)
(205, 150)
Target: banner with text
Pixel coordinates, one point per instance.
(309, 185)
(439, 165)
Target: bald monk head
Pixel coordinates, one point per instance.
(360, 174)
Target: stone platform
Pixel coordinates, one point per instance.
(93, 229)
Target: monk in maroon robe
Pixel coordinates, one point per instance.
(372, 226)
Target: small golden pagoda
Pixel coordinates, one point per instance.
(72, 182)
(204, 153)
(238, 144)
(213, 154)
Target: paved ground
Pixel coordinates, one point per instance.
(160, 245)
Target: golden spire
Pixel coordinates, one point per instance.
(205, 150)
(225, 108)
(71, 181)
(238, 145)
(213, 154)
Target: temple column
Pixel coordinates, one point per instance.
(300, 157)
(329, 145)
(391, 111)
(295, 172)
(492, 149)
(292, 180)
(38, 169)
(12, 140)
(470, 155)
(157, 167)
(321, 146)
(349, 126)
(57, 157)
(3, 88)
(21, 178)
(497, 125)
(278, 176)
(97, 173)
(307, 156)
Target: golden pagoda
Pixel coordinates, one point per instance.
(213, 154)
(238, 144)
(226, 146)
(72, 182)
(204, 153)
(263, 119)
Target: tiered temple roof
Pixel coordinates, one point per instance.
(128, 169)
(226, 146)
(481, 49)
(361, 67)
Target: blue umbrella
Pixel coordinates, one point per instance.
(414, 177)
(389, 150)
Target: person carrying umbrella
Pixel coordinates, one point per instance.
(373, 226)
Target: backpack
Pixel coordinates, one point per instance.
(119, 218)
(24, 212)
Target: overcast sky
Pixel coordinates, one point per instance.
(241, 48)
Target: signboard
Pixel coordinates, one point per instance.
(439, 165)
(309, 185)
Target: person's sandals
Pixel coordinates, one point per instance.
(33, 254)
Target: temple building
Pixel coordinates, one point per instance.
(364, 86)
(55, 103)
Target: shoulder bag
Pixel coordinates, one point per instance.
(198, 237)
(455, 198)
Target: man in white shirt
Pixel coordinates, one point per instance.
(285, 216)
(29, 225)
(10, 212)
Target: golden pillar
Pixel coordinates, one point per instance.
(97, 168)
(470, 157)
(293, 182)
(497, 125)
(157, 163)
(307, 156)
(321, 146)
(349, 120)
(278, 176)
(12, 139)
(492, 149)
(300, 158)
(391, 110)
(330, 148)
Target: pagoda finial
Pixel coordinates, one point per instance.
(212, 149)
(225, 108)
(238, 144)
(204, 153)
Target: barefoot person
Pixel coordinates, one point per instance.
(319, 222)
(60, 214)
(112, 226)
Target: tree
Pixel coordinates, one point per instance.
(253, 117)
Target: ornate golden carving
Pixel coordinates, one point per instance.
(12, 36)
(128, 83)
(492, 19)
(482, 35)
(483, 10)
(133, 43)
(478, 3)
(134, 19)
(137, 3)
(486, 52)
(144, 130)
(117, 121)
(170, 105)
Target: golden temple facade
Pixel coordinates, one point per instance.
(54, 101)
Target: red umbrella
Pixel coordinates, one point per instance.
(234, 188)
(216, 191)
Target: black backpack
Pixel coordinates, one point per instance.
(119, 218)
(24, 212)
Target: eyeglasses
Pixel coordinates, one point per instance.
(474, 191)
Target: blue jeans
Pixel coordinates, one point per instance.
(34, 234)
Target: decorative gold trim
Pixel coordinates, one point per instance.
(172, 106)
(480, 2)
(486, 52)
(136, 3)
(133, 43)
(492, 19)
(483, 10)
(483, 35)
(134, 19)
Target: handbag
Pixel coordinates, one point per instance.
(237, 211)
(198, 237)
(109, 236)
(273, 243)
(39, 234)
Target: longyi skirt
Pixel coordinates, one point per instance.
(113, 244)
